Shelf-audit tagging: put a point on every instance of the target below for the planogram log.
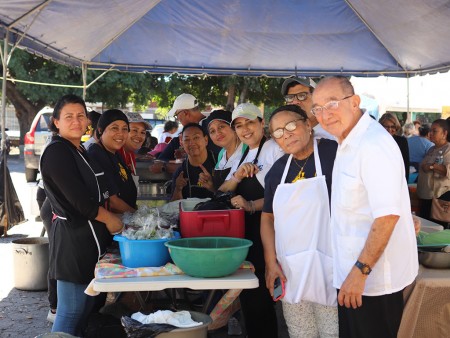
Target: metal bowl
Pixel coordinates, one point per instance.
(435, 260)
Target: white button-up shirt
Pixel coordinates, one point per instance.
(368, 183)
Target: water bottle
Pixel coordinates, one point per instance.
(439, 160)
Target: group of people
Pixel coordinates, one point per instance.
(319, 218)
(324, 193)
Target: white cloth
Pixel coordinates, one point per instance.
(162, 138)
(303, 237)
(235, 157)
(270, 152)
(368, 183)
(178, 319)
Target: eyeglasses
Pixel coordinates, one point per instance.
(299, 96)
(331, 105)
(290, 126)
(176, 116)
(390, 127)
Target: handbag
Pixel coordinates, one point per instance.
(440, 209)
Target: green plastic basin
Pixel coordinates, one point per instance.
(208, 256)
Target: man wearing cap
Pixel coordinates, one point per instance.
(185, 109)
(372, 232)
(298, 90)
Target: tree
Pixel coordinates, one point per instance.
(116, 89)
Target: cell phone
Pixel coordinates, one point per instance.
(278, 289)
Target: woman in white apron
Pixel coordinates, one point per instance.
(295, 225)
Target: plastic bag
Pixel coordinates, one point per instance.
(220, 201)
(135, 329)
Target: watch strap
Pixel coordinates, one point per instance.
(364, 268)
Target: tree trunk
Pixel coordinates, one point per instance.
(244, 93)
(231, 97)
(25, 110)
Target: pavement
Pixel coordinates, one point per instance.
(24, 313)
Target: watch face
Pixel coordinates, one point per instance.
(365, 270)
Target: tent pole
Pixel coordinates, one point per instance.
(3, 144)
(84, 75)
(408, 113)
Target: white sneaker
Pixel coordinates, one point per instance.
(234, 327)
(51, 316)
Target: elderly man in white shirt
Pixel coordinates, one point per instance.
(374, 245)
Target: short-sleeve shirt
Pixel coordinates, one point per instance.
(327, 153)
(118, 176)
(193, 189)
(369, 183)
(270, 152)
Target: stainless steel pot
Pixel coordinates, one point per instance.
(435, 260)
(152, 188)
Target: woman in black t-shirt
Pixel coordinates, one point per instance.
(112, 133)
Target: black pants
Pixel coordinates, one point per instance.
(46, 216)
(259, 310)
(379, 316)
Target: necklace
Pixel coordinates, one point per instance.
(301, 173)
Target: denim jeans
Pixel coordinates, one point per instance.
(74, 307)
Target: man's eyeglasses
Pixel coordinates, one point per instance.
(299, 96)
(331, 105)
(177, 114)
(290, 126)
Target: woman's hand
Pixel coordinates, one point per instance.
(240, 202)
(114, 224)
(427, 167)
(180, 182)
(246, 170)
(272, 272)
(205, 179)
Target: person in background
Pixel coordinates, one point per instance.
(295, 225)
(112, 133)
(221, 133)
(372, 230)
(82, 227)
(186, 179)
(418, 146)
(170, 130)
(149, 144)
(392, 125)
(246, 179)
(417, 125)
(134, 142)
(298, 90)
(409, 130)
(434, 170)
(93, 117)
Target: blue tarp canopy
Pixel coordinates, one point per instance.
(248, 37)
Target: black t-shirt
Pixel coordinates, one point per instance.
(118, 176)
(327, 153)
(192, 189)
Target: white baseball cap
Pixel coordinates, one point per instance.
(184, 101)
(246, 110)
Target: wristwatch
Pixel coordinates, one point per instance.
(365, 268)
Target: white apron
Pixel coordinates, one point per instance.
(303, 239)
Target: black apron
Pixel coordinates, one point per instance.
(250, 189)
(219, 176)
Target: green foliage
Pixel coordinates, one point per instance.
(116, 89)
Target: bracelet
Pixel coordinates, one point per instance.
(234, 178)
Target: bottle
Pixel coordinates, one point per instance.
(439, 160)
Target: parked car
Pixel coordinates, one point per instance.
(35, 141)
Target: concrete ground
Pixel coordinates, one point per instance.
(24, 313)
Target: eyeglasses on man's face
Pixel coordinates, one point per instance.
(331, 105)
(177, 114)
(289, 98)
(290, 126)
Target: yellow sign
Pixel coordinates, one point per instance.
(445, 112)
